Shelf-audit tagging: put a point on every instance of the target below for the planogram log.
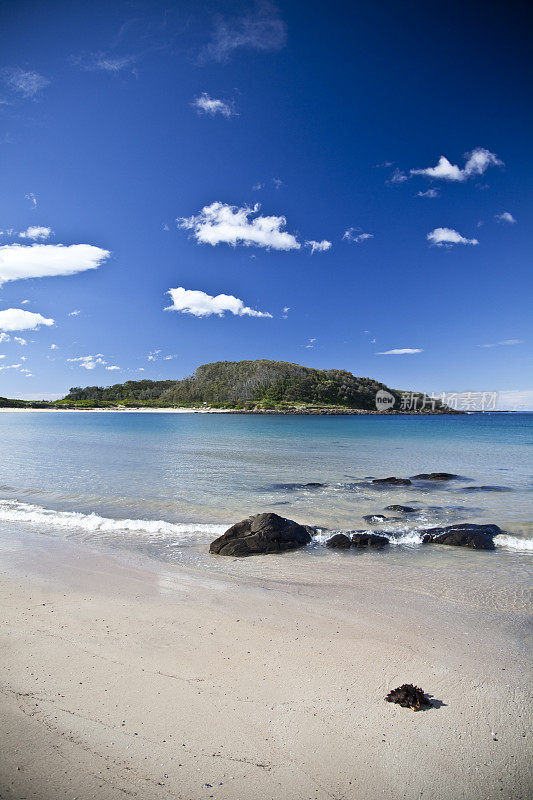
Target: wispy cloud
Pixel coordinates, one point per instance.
(318, 247)
(260, 28)
(504, 342)
(477, 162)
(22, 342)
(447, 237)
(36, 232)
(74, 313)
(278, 183)
(221, 223)
(356, 235)
(310, 344)
(505, 216)
(24, 82)
(19, 261)
(17, 319)
(285, 312)
(212, 106)
(398, 176)
(429, 193)
(104, 62)
(31, 197)
(91, 362)
(54, 347)
(406, 351)
(200, 304)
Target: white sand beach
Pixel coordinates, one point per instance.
(153, 681)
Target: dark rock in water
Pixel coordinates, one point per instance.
(374, 518)
(340, 540)
(486, 489)
(434, 476)
(314, 485)
(476, 537)
(262, 533)
(363, 539)
(409, 696)
(405, 509)
(392, 481)
(294, 487)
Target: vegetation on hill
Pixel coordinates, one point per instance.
(241, 384)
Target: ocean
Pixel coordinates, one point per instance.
(164, 485)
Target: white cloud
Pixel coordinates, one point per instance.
(113, 367)
(153, 355)
(21, 341)
(278, 183)
(16, 319)
(105, 62)
(398, 177)
(261, 28)
(429, 193)
(169, 358)
(200, 304)
(54, 347)
(4, 337)
(446, 237)
(318, 247)
(36, 232)
(406, 351)
(212, 106)
(477, 162)
(516, 400)
(504, 342)
(18, 261)
(89, 362)
(24, 302)
(221, 223)
(310, 344)
(285, 312)
(25, 82)
(74, 313)
(354, 235)
(257, 187)
(505, 217)
(32, 199)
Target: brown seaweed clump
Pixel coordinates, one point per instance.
(408, 696)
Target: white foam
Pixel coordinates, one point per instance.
(513, 542)
(13, 511)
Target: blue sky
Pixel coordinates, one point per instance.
(280, 168)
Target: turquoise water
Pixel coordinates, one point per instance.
(169, 483)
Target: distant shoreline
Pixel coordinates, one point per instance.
(317, 412)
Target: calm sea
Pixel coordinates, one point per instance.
(167, 484)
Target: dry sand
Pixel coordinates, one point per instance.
(115, 410)
(147, 681)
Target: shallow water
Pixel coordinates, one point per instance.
(167, 484)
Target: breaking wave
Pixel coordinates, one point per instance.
(181, 533)
(26, 513)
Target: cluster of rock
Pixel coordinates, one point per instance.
(270, 533)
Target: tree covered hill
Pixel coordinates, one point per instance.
(243, 384)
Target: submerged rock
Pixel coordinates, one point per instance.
(262, 533)
(364, 539)
(405, 509)
(486, 489)
(409, 696)
(339, 540)
(476, 537)
(434, 476)
(374, 518)
(392, 481)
